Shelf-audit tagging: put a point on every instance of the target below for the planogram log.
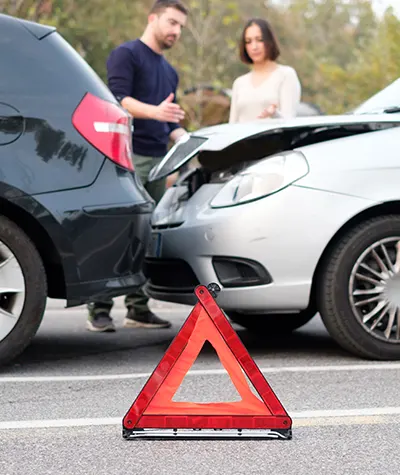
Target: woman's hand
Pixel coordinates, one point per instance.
(268, 111)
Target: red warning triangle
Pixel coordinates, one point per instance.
(154, 407)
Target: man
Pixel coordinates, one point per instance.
(145, 84)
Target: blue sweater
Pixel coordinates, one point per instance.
(135, 70)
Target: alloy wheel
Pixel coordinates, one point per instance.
(12, 291)
(374, 289)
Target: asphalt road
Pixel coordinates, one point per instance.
(63, 400)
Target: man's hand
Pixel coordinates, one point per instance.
(268, 112)
(168, 111)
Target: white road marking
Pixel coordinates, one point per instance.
(203, 372)
(377, 415)
(119, 308)
(49, 423)
(367, 411)
(116, 311)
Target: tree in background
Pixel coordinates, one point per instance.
(342, 52)
(93, 27)
(375, 67)
(207, 51)
(319, 35)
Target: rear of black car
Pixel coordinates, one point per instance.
(66, 178)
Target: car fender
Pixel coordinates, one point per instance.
(46, 220)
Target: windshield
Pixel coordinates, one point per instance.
(388, 98)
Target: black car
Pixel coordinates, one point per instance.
(74, 218)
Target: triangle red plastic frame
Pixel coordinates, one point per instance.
(155, 415)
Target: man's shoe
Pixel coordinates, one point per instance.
(101, 322)
(144, 320)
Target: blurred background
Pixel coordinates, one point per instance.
(343, 50)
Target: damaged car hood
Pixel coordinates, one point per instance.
(220, 146)
(223, 135)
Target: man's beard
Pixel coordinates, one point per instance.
(163, 43)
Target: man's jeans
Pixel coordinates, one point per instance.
(137, 300)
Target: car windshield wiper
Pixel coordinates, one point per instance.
(386, 110)
(391, 110)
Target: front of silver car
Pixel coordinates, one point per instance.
(256, 208)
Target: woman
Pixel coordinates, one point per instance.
(269, 89)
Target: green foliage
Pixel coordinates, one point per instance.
(342, 52)
(373, 68)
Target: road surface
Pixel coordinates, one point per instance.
(63, 400)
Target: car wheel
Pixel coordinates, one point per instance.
(23, 290)
(359, 293)
(272, 324)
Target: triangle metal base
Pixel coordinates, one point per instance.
(162, 434)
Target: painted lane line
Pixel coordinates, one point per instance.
(300, 419)
(203, 372)
(49, 423)
(117, 311)
(367, 411)
(345, 421)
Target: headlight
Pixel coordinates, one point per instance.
(262, 179)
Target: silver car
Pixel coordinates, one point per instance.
(291, 218)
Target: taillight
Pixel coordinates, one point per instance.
(107, 127)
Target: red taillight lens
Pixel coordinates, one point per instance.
(107, 127)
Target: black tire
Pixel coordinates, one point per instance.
(272, 324)
(35, 290)
(333, 295)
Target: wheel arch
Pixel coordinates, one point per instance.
(44, 244)
(390, 207)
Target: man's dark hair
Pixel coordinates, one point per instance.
(160, 5)
(271, 43)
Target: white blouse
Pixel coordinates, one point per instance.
(282, 87)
